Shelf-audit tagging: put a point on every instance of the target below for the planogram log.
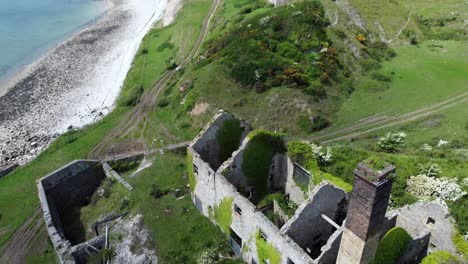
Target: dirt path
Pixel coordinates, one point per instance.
(147, 102)
(21, 243)
(379, 122)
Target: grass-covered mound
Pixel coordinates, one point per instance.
(257, 157)
(392, 246)
(440, 257)
(282, 46)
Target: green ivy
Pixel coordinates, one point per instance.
(223, 214)
(266, 251)
(191, 174)
(460, 243)
(257, 159)
(301, 152)
(440, 257)
(392, 246)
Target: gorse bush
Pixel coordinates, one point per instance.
(284, 46)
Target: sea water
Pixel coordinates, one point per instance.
(28, 28)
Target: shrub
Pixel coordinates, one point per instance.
(460, 243)
(392, 142)
(440, 257)
(381, 77)
(166, 45)
(361, 38)
(392, 246)
(163, 102)
(459, 212)
(156, 192)
(314, 124)
(257, 159)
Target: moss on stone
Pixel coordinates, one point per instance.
(440, 257)
(266, 251)
(223, 214)
(460, 243)
(191, 174)
(392, 246)
(257, 157)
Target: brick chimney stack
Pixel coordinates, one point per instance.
(366, 213)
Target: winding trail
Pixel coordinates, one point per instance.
(147, 102)
(378, 122)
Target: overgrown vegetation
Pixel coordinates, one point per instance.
(287, 206)
(190, 172)
(392, 246)
(223, 214)
(301, 152)
(266, 251)
(257, 157)
(440, 257)
(283, 46)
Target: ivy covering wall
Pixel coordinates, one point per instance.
(301, 152)
(191, 174)
(266, 251)
(222, 214)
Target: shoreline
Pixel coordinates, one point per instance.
(75, 83)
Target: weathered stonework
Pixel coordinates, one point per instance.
(367, 208)
(68, 187)
(228, 181)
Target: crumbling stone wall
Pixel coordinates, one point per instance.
(307, 227)
(67, 187)
(433, 217)
(278, 172)
(296, 194)
(207, 144)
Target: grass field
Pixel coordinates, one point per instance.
(423, 75)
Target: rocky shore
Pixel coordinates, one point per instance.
(74, 84)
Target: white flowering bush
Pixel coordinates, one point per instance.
(391, 142)
(426, 147)
(426, 188)
(442, 143)
(208, 256)
(320, 156)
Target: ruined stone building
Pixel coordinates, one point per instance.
(272, 209)
(328, 226)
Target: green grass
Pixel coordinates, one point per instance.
(266, 251)
(440, 257)
(423, 75)
(181, 233)
(112, 203)
(190, 172)
(392, 246)
(257, 157)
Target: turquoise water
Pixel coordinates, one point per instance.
(28, 28)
